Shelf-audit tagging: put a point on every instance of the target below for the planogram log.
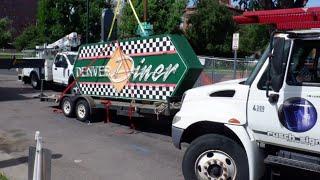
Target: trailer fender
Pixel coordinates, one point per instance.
(254, 153)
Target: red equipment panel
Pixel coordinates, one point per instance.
(284, 19)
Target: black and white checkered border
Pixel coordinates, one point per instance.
(152, 45)
(129, 91)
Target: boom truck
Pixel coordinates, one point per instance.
(267, 124)
(58, 62)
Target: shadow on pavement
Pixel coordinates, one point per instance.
(12, 94)
(149, 125)
(21, 160)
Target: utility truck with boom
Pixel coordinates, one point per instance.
(267, 124)
(59, 59)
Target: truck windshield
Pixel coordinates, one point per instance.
(71, 58)
(258, 66)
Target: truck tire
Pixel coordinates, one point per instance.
(35, 82)
(82, 110)
(26, 80)
(67, 107)
(215, 156)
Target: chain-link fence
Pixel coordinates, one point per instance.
(9, 53)
(221, 69)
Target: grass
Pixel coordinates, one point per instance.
(3, 177)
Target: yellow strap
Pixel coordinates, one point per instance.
(114, 19)
(135, 14)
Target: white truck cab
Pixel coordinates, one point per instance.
(62, 67)
(239, 127)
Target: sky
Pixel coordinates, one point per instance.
(312, 3)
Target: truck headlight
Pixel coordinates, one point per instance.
(176, 119)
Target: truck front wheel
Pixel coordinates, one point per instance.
(83, 110)
(215, 156)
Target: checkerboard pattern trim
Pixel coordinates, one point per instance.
(138, 91)
(145, 46)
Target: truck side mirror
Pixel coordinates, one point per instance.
(277, 59)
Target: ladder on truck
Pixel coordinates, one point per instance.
(283, 19)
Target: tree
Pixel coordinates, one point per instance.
(211, 28)
(57, 18)
(5, 32)
(253, 38)
(165, 15)
(29, 38)
(270, 4)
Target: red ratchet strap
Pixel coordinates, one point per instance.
(283, 19)
(130, 113)
(107, 104)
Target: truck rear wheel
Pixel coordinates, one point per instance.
(35, 82)
(83, 110)
(67, 107)
(214, 156)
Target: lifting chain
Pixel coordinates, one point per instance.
(160, 109)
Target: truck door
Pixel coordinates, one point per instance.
(60, 69)
(292, 120)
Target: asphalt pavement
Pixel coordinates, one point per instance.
(81, 150)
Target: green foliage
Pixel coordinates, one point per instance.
(57, 18)
(29, 38)
(3, 177)
(60, 17)
(211, 29)
(165, 15)
(253, 38)
(5, 32)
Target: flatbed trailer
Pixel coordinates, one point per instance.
(135, 77)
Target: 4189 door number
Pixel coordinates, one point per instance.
(258, 108)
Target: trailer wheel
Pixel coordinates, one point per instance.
(214, 156)
(67, 107)
(83, 110)
(35, 82)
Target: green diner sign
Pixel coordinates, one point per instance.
(148, 68)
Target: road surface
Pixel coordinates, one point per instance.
(82, 151)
